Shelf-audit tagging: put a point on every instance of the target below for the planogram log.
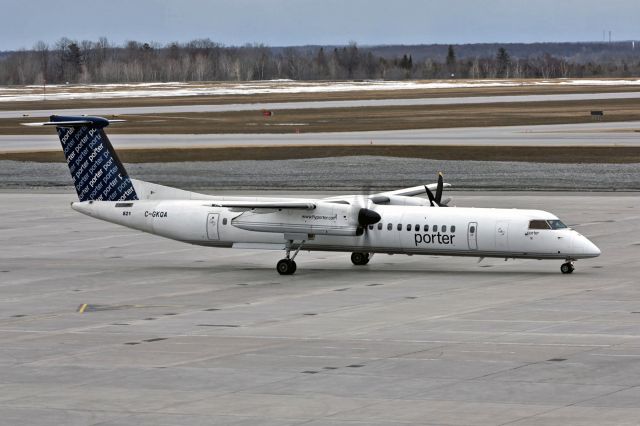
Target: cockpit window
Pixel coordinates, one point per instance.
(556, 224)
(538, 224)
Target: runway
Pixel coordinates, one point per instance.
(175, 334)
(466, 100)
(585, 134)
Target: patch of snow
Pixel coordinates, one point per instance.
(179, 89)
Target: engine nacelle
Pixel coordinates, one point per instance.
(325, 219)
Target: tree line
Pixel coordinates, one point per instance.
(70, 61)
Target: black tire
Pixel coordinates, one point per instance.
(294, 266)
(286, 267)
(566, 268)
(359, 259)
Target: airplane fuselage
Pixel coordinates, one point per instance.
(419, 230)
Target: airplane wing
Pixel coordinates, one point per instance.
(383, 197)
(414, 190)
(248, 205)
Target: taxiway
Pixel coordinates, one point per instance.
(584, 134)
(104, 325)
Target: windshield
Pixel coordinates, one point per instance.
(556, 224)
(538, 224)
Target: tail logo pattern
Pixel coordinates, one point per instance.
(97, 172)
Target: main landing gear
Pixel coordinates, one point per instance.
(287, 266)
(567, 267)
(361, 259)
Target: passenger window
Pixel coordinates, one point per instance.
(389, 227)
(435, 228)
(426, 228)
(417, 228)
(379, 226)
(472, 230)
(444, 228)
(453, 228)
(409, 227)
(224, 221)
(399, 227)
(371, 227)
(538, 224)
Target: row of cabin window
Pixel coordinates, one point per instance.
(416, 228)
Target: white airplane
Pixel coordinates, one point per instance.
(394, 222)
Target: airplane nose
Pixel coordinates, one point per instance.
(588, 248)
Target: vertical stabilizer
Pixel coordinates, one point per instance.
(96, 170)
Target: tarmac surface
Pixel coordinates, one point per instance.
(104, 325)
(467, 100)
(585, 134)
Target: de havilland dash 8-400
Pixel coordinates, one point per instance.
(393, 222)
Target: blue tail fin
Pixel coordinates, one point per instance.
(95, 167)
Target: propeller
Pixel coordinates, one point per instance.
(366, 216)
(436, 200)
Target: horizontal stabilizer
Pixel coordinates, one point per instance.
(97, 122)
(59, 124)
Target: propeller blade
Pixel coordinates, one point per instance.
(439, 188)
(430, 195)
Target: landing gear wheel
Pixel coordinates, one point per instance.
(286, 267)
(567, 268)
(359, 259)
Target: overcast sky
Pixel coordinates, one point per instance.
(297, 22)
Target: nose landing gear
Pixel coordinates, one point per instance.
(567, 267)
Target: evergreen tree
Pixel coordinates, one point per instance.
(451, 61)
(322, 64)
(74, 58)
(503, 62)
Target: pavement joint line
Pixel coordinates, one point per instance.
(575, 403)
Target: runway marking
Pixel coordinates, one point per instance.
(82, 308)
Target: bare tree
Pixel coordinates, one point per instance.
(42, 51)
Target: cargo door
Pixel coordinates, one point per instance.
(212, 226)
